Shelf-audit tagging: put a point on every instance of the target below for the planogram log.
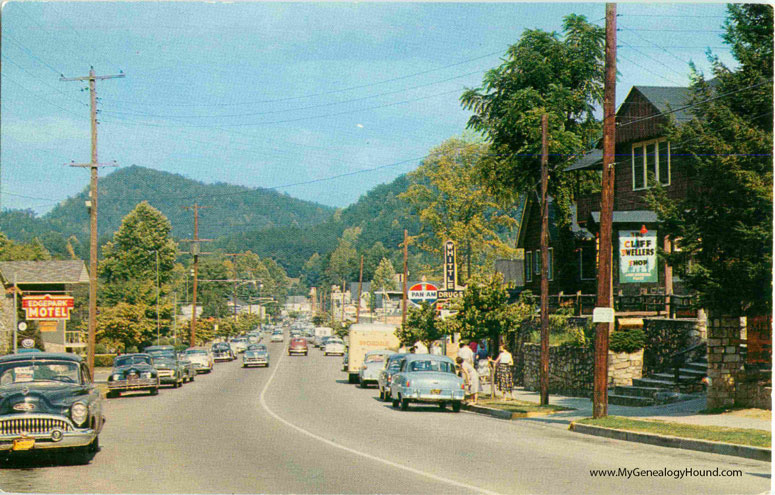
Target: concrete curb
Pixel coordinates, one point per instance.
(501, 414)
(757, 453)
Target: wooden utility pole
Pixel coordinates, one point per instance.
(604, 292)
(358, 301)
(343, 291)
(406, 273)
(94, 166)
(544, 261)
(195, 251)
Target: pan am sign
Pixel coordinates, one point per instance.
(419, 293)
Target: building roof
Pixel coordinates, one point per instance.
(44, 272)
(592, 159)
(633, 216)
(668, 99)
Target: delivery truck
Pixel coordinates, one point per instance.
(321, 333)
(365, 337)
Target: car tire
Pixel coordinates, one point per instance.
(154, 391)
(456, 406)
(404, 404)
(352, 379)
(381, 395)
(362, 383)
(443, 406)
(394, 403)
(193, 377)
(112, 394)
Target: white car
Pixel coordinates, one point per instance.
(277, 337)
(201, 358)
(334, 346)
(239, 345)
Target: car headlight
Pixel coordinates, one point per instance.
(147, 374)
(79, 413)
(116, 377)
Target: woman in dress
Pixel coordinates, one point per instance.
(504, 374)
(471, 377)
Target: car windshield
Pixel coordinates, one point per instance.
(39, 371)
(198, 352)
(430, 365)
(127, 360)
(375, 358)
(334, 341)
(162, 354)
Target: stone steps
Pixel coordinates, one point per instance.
(629, 400)
(647, 392)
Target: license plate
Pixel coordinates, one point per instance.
(435, 391)
(23, 443)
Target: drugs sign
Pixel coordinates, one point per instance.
(48, 307)
(419, 293)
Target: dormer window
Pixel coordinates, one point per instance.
(650, 161)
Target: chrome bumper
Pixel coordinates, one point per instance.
(445, 395)
(134, 385)
(43, 428)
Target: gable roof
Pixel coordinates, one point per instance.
(45, 272)
(668, 99)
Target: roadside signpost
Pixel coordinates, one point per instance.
(423, 292)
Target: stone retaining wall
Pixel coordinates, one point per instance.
(571, 369)
(665, 337)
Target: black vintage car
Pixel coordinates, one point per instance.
(133, 372)
(48, 401)
(165, 360)
(222, 352)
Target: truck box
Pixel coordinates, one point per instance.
(365, 337)
(321, 332)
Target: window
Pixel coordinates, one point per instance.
(537, 262)
(650, 161)
(529, 266)
(550, 270)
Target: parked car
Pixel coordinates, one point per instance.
(133, 372)
(49, 401)
(189, 368)
(391, 367)
(298, 346)
(427, 378)
(373, 362)
(201, 357)
(238, 344)
(222, 352)
(169, 368)
(334, 346)
(277, 337)
(256, 355)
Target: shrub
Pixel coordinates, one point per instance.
(101, 349)
(131, 349)
(104, 360)
(627, 340)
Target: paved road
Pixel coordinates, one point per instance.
(298, 427)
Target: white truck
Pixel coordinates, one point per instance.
(365, 337)
(321, 332)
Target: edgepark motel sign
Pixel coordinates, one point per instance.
(48, 307)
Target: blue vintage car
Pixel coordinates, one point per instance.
(391, 367)
(255, 355)
(48, 401)
(133, 372)
(373, 362)
(427, 378)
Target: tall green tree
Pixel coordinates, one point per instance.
(452, 204)
(723, 227)
(344, 259)
(14, 251)
(384, 276)
(132, 254)
(422, 325)
(483, 310)
(543, 73)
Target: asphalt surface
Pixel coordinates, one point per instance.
(298, 427)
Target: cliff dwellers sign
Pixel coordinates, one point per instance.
(48, 307)
(637, 257)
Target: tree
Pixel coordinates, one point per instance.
(214, 295)
(384, 276)
(483, 310)
(343, 262)
(452, 204)
(723, 227)
(421, 325)
(371, 259)
(13, 251)
(313, 270)
(127, 324)
(132, 254)
(542, 74)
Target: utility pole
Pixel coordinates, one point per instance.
(544, 261)
(195, 251)
(343, 290)
(158, 321)
(358, 301)
(94, 166)
(406, 257)
(234, 289)
(604, 292)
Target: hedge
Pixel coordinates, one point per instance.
(104, 360)
(627, 340)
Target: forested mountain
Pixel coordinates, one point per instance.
(231, 209)
(380, 214)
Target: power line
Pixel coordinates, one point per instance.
(679, 30)
(43, 28)
(649, 70)
(323, 93)
(38, 96)
(32, 55)
(45, 84)
(654, 44)
(654, 59)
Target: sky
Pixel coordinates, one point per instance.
(322, 101)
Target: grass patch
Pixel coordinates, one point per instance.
(519, 406)
(739, 436)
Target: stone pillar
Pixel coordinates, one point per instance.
(724, 360)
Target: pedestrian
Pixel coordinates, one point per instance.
(466, 353)
(436, 348)
(473, 345)
(482, 352)
(471, 378)
(504, 374)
